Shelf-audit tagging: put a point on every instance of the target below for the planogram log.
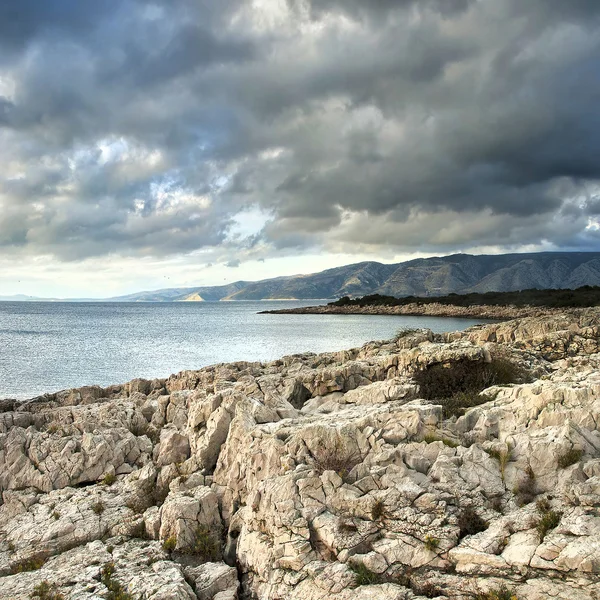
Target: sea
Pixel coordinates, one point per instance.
(50, 346)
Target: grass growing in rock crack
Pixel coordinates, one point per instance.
(431, 543)
(115, 589)
(169, 544)
(46, 591)
(503, 457)
(364, 576)
(549, 519)
(33, 563)
(499, 593)
(457, 385)
(570, 457)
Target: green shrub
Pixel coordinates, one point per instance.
(543, 505)
(169, 544)
(98, 507)
(457, 405)
(448, 380)
(470, 523)
(549, 519)
(570, 457)
(115, 589)
(431, 543)
(364, 576)
(499, 593)
(206, 546)
(33, 563)
(109, 479)
(583, 296)
(46, 591)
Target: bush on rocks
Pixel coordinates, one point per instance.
(499, 593)
(46, 591)
(336, 458)
(457, 385)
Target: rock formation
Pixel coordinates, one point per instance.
(316, 476)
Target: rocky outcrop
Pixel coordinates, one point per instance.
(316, 476)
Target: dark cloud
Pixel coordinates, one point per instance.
(144, 128)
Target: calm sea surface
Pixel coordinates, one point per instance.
(46, 347)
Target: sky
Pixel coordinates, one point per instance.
(171, 143)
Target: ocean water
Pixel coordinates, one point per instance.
(46, 347)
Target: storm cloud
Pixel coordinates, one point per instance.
(138, 128)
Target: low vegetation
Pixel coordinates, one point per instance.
(430, 438)
(169, 544)
(109, 479)
(98, 507)
(499, 593)
(432, 543)
(548, 520)
(580, 297)
(46, 591)
(503, 457)
(457, 386)
(337, 458)
(470, 523)
(364, 576)
(115, 590)
(206, 546)
(33, 563)
(570, 457)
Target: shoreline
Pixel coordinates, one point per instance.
(276, 480)
(495, 313)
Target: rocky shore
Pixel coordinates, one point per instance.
(317, 477)
(415, 309)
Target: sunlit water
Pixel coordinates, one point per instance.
(47, 347)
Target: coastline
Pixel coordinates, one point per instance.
(323, 471)
(496, 313)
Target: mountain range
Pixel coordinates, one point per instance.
(459, 273)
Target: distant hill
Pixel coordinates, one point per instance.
(459, 273)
